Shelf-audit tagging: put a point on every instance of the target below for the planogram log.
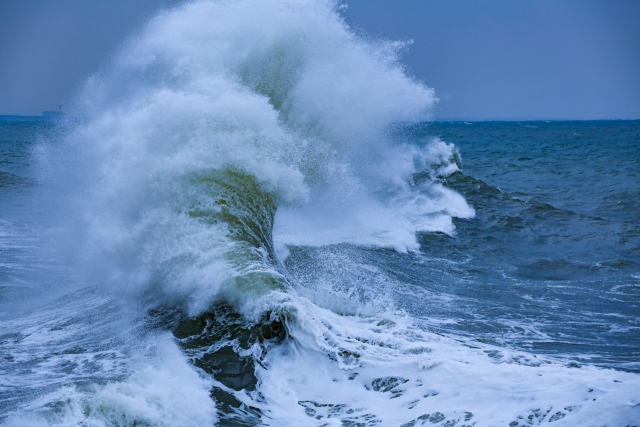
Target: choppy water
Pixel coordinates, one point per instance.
(550, 261)
(245, 220)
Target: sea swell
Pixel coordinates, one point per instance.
(220, 113)
(223, 137)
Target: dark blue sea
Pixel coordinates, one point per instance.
(232, 227)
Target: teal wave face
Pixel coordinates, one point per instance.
(247, 210)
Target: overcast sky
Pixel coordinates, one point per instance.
(486, 59)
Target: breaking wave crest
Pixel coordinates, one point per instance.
(218, 115)
(221, 135)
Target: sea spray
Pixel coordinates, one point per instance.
(221, 137)
(218, 113)
(179, 154)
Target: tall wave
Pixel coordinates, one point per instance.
(221, 134)
(218, 114)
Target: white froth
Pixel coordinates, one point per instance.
(386, 208)
(383, 371)
(164, 391)
(281, 91)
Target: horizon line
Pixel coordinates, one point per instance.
(525, 119)
(438, 119)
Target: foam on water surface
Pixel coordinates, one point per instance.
(222, 138)
(375, 371)
(163, 391)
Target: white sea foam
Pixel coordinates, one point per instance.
(385, 209)
(383, 371)
(163, 391)
(282, 94)
(281, 91)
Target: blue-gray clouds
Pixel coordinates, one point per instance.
(48, 48)
(488, 59)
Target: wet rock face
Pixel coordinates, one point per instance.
(222, 343)
(229, 368)
(219, 343)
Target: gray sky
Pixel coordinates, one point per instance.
(486, 59)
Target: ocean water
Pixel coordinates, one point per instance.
(247, 219)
